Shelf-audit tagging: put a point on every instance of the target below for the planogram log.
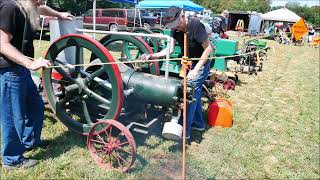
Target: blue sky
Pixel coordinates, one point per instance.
(302, 2)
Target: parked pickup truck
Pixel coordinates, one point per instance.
(116, 19)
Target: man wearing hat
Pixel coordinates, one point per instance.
(21, 107)
(198, 46)
(219, 24)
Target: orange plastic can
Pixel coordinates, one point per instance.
(316, 41)
(220, 113)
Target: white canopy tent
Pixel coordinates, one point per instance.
(282, 15)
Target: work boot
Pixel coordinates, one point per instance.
(26, 163)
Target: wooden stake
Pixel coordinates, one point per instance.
(184, 66)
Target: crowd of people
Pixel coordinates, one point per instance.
(283, 34)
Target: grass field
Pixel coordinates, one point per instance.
(275, 133)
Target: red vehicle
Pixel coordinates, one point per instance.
(113, 19)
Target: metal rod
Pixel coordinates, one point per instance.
(140, 18)
(94, 17)
(125, 33)
(41, 31)
(135, 16)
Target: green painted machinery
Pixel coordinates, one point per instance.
(255, 54)
(224, 47)
(99, 91)
(89, 95)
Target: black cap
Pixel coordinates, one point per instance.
(171, 17)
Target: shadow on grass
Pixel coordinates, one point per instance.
(45, 36)
(68, 140)
(61, 144)
(211, 178)
(50, 118)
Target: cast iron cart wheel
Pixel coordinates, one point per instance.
(229, 85)
(83, 97)
(221, 89)
(129, 48)
(111, 145)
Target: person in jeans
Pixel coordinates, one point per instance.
(21, 107)
(198, 47)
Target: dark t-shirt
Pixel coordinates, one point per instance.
(218, 24)
(12, 20)
(197, 34)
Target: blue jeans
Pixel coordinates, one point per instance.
(194, 110)
(21, 113)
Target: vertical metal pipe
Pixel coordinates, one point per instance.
(140, 18)
(94, 17)
(41, 31)
(160, 18)
(135, 15)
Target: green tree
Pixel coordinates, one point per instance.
(261, 6)
(217, 6)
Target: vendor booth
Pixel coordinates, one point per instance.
(281, 15)
(251, 22)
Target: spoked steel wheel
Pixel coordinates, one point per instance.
(111, 145)
(222, 88)
(129, 48)
(79, 98)
(229, 85)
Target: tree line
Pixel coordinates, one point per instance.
(311, 14)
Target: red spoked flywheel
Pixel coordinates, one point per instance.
(111, 145)
(229, 85)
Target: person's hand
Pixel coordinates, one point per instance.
(145, 57)
(39, 63)
(65, 16)
(192, 74)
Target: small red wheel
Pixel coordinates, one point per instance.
(111, 145)
(229, 85)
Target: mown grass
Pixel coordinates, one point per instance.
(275, 133)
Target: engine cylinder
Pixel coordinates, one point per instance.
(151, 88)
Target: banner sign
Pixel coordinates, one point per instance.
(299, 29)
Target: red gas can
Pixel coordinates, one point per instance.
(220, 113)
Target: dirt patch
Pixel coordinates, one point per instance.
(168, 166)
